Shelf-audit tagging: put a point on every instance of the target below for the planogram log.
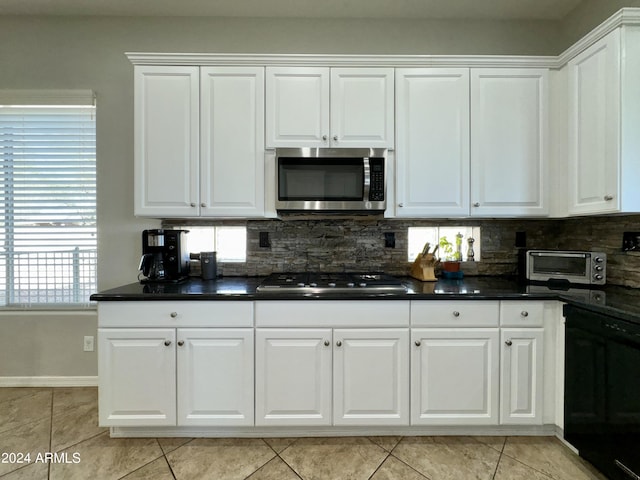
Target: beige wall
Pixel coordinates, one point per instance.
(88, 52)
(589, 14)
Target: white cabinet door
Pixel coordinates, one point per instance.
(454, 376)
(371, 377)
(509, 142)
(432, 109)
(594, 127)
(297, 107)
(215, 376)
(232, 141)
(166, 128)
(136, 377)
(521, 399)
(293, 376)
(362, 107)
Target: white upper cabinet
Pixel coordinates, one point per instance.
(604, 115)
(432, 111)
(594, 127)
(232, 141)
(362, 113)
(199, 141)
(509, 142)
(322, 107)
(297, 107)
(167, 118)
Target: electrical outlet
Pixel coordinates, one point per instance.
(264, 240)
(390, 240)
(88, 343)
(630, 241)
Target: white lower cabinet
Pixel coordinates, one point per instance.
(136, 377)
(147, 378)
(293, 376)
(215, 376)
(454, 376)
(371, 376)
(521, 376)
(302, 372)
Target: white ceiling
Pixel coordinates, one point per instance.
(414, 9)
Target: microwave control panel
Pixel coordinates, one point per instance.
(376, 187)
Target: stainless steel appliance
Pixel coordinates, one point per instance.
(164, 256)
(322, 283)
(602, 391)
(331, 180)
(573, 267)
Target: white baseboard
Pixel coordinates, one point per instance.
(48, 381)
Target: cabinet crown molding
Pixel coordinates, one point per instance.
(624, 16)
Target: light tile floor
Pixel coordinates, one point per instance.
(63, 421)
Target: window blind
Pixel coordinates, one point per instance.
(47, 205)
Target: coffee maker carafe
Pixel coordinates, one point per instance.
(164, 256)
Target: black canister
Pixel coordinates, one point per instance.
(208, 265)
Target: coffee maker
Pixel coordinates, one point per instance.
(164, 256)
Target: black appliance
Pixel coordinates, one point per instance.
(327, 283)
(602, 391)
(164, 256)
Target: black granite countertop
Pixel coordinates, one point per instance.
(618, 301)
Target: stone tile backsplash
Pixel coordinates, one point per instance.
(358, 244)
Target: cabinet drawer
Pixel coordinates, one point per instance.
(474, 313)
(175, 314)
(339, 313)
(521, 313)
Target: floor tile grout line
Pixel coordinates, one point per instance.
(410, 466)
(282, 459)
(381, 463)
(528, 466)
(495, 472)
(168, 463)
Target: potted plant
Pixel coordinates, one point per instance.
(452, 254)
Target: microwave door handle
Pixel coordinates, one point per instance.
(367, 179)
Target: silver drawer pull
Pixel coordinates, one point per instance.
(418, 343)
(167, 343)
(326, 343)
(456, 313)
(173, 314)
(524, 313)
(508, 343)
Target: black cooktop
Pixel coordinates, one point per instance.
(330, 282)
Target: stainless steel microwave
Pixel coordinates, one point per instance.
(575, 267)
(331, 180)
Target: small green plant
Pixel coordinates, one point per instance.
(451, 253)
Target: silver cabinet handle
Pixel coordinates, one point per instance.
(401, 205)
(181, 343)
(338, 343)
(456, 313)
(608, 198)
(524, 313)
(324, 137)
(167, 343)
(173, 314)
(193, 204)
(508, 343)
(203, 205)
(326, 343)
(476, 204)
(418, 343)
(335, 138)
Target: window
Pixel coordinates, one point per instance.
(419, 236)
(47, 204)
(230, 243)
